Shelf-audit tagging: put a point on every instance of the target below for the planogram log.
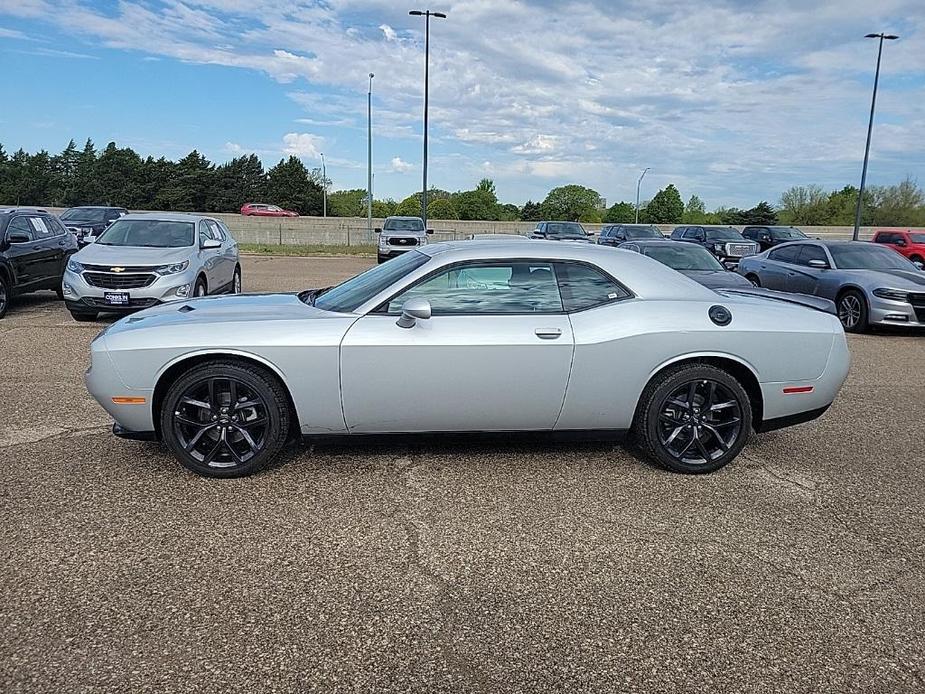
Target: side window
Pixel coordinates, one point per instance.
(488, 288)
(216, 231)
(41, 228)
(205, 233)
(695, 233)
(884, 238)
(22, 226)
(811, 252)
(785, 254)
(584, 287)
(225, 233)
(750, 233)
(55, 226)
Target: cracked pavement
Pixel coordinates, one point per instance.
(504, 565)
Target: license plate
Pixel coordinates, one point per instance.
(116, 298)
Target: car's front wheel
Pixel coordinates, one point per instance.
(200, 289)
(225, 418)
(236, 281)
(693, 418)
(753, 278)
(852, 311)
(83, 317)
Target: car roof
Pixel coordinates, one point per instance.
(396, 216)
(96, 207)
(167, 216)
(11, 210)
(647, 277)
(662, 242)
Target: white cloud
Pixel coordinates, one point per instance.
(389, 32)
(303, 145)
(399, 166)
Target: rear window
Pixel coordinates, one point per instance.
(584, 287)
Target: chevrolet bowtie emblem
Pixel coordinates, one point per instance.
(117, 269)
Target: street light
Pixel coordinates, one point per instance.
(870, 127)
(369, 159)
(324, 186)
(427, 14)
(639, 183)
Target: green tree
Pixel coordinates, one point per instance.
(119, 174)
(238, 181)
(86, 189)
(347, 203)
(507, 212)
(620, 213)
(899, 205)
(5, 195)
(665, 208)
(384, 208)
(804, 205)
(409, 207)
(65, 165)
(156, 176)
(531, 212)
(289, 186)
(571, 203)
(695, 212)
(441, 208)
(762, 213)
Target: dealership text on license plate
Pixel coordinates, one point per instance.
(116, 298)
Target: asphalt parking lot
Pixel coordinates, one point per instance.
(510, 565)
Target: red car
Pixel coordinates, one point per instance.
(258, 209)
(908, 242)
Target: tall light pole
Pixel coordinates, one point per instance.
(324, 186)
(427, 14)
(638, 184)
(369, 159)
(870, 127)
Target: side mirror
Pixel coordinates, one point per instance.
(900, 242)
(819, 264)
(210, 244)
(412, 311)
(919, 265)
(18, 237)
(430, 231)
(378, 230)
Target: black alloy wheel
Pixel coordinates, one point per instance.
(225, 419)
(694, 418)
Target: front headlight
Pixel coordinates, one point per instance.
(423, 241)
(719, 247)
(74, 266)
(892, 294)
(383, 241)
(172, 269)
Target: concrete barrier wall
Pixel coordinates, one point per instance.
(352, 231)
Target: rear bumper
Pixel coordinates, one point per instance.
(123, 433)
(791, 420)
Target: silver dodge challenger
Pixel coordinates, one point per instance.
(473, 336)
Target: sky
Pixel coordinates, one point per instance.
(735, 101)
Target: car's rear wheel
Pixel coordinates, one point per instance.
(852, 311)
(693, 418)
(200, 288)
(225, 419)
(753, 278)
(4, 295)
(236, 281)
(81, 317)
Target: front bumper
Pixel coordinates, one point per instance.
(80, 296)
(901, 314)
(104, 383)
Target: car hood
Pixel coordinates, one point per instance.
(401, 232)
(716, 279)
(83, 223)
(897, 279)
(576, 237)
(97, 254)
(241, 308)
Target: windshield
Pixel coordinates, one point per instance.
(348, 296)
(917, 238)
(723, 235)
(867, 256)
(85, 214)
(649, 232)
(788, 234)
(148, 233)
(685, 256)
(404, 225)
(566, 229)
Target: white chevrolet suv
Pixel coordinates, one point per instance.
(143, 260)
(399, 235)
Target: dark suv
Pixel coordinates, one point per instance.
(561, 231)
(725, 243)
(768, 236)
(86, 223)
(615, 234)
(34, 248)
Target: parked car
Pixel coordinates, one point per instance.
(258, 209)
(769, 236)
(615, 234)
(88, 222)
(725, 243)
(399, 235)
(870, 284)
(143, 260)
(561, 231)
(690, 260)
(909, 243)
(34, 248)
(472, 336)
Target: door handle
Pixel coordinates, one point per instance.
(548, 333)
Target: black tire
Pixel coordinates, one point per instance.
(236, 285)
(380, 259)
(215, 438)
(667, 432)
(200, 288)
(917, 259)
(83, 317)
(59, 292)
(754, 279)
(5, 294)
(852, 311)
